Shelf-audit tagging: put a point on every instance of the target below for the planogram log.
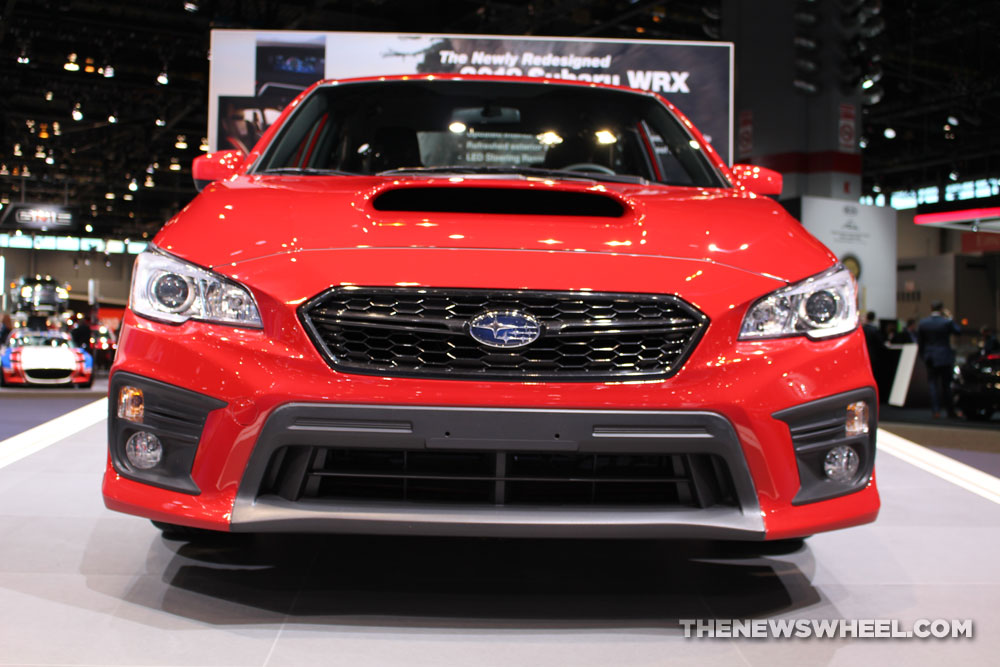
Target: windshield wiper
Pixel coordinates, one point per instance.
(519, 171)
(311, 171)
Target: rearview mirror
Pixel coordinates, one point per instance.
(215, 167)
(758, 180)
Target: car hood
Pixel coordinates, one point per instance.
(255, 216)
(47, 357)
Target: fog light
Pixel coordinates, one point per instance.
(144, 450)
(130, 404)
(857, 419)
(841, 464)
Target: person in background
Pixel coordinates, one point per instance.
(934, 337)
(81, 334)
(907, 335)
(876, 350)
(6, 326)
(988, 343)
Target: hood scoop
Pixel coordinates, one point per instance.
(499, 201)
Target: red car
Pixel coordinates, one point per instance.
(488, 306)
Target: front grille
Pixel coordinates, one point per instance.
(49, 373)
(498, 478)
(585, 336)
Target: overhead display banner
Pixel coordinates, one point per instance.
(255, 74)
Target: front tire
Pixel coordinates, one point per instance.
(172, 531)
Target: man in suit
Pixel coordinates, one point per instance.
(934, 337)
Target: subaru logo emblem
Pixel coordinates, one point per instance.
(505, 329)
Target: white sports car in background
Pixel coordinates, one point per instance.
(44, 358)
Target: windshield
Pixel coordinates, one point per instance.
(28, 340)
(488, 127)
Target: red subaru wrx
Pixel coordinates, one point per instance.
(484, 306)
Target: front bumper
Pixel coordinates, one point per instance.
(274, 391)
(497, 472)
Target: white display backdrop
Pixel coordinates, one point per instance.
(254, 74)
(864, 239)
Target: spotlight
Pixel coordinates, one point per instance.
(889, 133)
(109, 195)
(191, 7)
(23, 58)
(953, 120)
(71, 65)
(162, 77)
(77, 113)
(39, 152)
(953, 175)
(203, 146)
(112, 118)
(50, 158)
(863, 142)
(17, 150)
(48, 96)
(149, 182)
(133, 186)
(89, 228)
(181, 142)
(160, 122)
(108, 71)
(174, 164)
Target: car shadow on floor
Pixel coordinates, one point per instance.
(470, 582)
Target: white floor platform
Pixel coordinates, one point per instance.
(80, 585)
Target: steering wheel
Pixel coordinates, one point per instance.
(589, 166)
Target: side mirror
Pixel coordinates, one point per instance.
(758, 180)
(215, 167)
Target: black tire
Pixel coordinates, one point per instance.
(172, 531)
(980, 414)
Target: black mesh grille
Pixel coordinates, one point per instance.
(498, 478)
(585, 336)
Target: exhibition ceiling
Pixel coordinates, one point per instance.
(106, 102)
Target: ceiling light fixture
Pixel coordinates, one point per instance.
(108, 71)
(181, 142)
(112, 118)
(71, 65)
(162, 77)
(889, 133)
(77, 112)
(203, 146)
(50, 158)
(149, 182)
(160, 122)
(48, 96)
(23, 58)
(133, 186)
(953, 120)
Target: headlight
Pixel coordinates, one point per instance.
(166, 288)
(819, 307)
